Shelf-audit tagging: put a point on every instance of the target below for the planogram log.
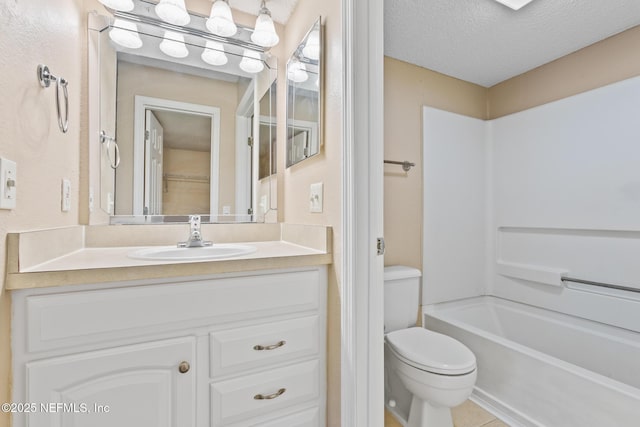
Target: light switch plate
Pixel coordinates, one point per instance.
(8, 184)
(315, 198)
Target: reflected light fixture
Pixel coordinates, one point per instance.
(213, 53)
(173, 11)
(264, 34)
(173, 45)
(297, 72)
(123, 5)
(125, 33)
(220, 20)
(515, 4)
(251, 62)
(311, 49)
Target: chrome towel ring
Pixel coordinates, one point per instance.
(45, 78)
(107, 140)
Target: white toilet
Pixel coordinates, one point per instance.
(426, 373)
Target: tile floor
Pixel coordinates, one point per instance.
(466, 415)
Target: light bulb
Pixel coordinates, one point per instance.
(251, 62)
(173, 45)
(214, 54)
(311, 49)
(173, 11)
(125, 33)
(264, 34)
(220, 20)
(297, 72)
(123, 5)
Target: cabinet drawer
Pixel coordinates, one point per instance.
(256, 346)
(307, 418)
(86, 317)
(260, 394)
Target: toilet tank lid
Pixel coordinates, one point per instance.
(399, 272)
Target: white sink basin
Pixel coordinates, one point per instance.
(172, 253)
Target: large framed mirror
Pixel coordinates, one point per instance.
(193, 118)
(304, 97)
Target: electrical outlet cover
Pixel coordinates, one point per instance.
(66, 195)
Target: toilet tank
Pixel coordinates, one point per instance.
(401, 297)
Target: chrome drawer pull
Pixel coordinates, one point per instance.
(270, 396)
(269, 347)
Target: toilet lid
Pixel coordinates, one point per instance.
(431, 351)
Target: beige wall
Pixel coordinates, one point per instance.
(326, 167)
(50, 32)
(184, 196)
(407, 88)
(135, 80)
(609, 61)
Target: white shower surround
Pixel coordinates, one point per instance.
(552, 190)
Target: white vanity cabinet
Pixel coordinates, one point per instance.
(214, 351)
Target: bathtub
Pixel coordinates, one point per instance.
(542, 368)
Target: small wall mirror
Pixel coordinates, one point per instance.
(304, 97)
(193, 118)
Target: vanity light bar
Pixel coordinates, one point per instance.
(148, 20)
(515, 4)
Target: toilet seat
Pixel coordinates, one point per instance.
(432, 352)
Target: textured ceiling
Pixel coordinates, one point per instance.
(280, 9)
(485, 42)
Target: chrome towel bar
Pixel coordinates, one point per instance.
(406, 165)
(600, 284)
(45, 78)
(107, 140)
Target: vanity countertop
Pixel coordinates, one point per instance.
(101, 264)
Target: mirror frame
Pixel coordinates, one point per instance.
(98, 24)
(311, 131)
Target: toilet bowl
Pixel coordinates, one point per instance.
(426, 373)
(437, 370)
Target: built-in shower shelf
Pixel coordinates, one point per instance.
(534, 273)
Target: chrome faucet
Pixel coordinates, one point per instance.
(195, 236)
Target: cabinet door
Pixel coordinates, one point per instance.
(133, 386)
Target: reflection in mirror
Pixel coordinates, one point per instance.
(304, 97)
(182, 122)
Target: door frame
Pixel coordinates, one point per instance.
(143, 103)
(362, 310)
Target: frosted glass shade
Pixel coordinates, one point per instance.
(220, 20)
(173, 45)
(214, 54)
(124, 5)
(125, 33)
(173, 11)
(251, 62)
(264, 33)
(297, 72)
(312, 48)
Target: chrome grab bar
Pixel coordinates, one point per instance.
(600, 284)
(45, 78)
(106, 139)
